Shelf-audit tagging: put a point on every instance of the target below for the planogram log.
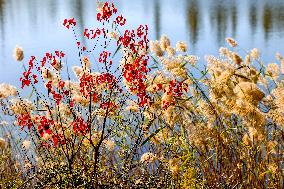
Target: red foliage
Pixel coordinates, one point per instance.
(25, 120)
(104, 56)
(44, 125)
(69, 22)
(107, 12)
(80, 126)
(120, 20)
(134, 73)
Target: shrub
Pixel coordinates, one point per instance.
(154, 119)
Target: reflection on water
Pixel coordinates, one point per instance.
(193, 20)
(157, 17)
(266, 20)
(219, 20)
(2, 5)
(36, 25)
(253, 17)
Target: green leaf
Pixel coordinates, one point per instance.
(152, 135)
(154, 67)
(41, 110)
(183, 64)
(155, 61)
(31, 93)
(117, 49)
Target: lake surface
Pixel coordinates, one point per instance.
(36, 25)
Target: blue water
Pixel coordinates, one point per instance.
(36, 25)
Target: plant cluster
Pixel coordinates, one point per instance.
(145, 114)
